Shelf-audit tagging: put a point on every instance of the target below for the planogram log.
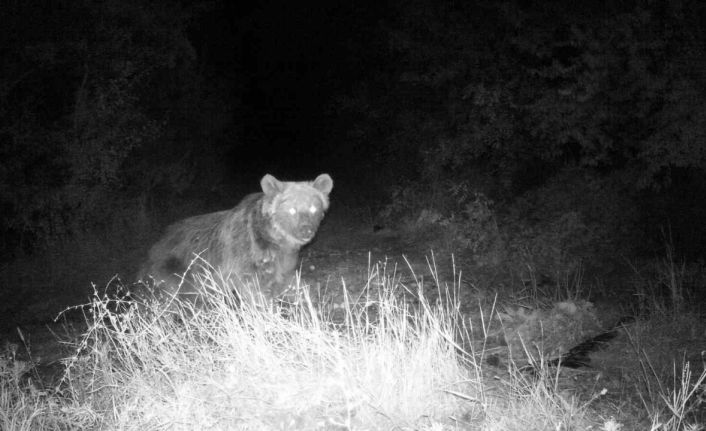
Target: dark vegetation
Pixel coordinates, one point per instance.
(545, 137)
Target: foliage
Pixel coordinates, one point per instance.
(533, 106)
(81, 108)
(509, 88)
(573, 223)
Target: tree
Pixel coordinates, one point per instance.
(78, 85)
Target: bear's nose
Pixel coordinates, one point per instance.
(307, 230)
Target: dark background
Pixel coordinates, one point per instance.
(573, 126)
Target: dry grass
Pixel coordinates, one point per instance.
(378, 362)
(250, 365)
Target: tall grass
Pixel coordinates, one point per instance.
(244, 363)
(378, 361)
(671, 394)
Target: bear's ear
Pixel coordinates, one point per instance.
(323, 183)
(270, 185)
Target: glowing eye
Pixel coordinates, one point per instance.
(292, 211)
(312, 209)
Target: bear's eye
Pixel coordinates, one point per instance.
(292, 211)
(312, 209)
